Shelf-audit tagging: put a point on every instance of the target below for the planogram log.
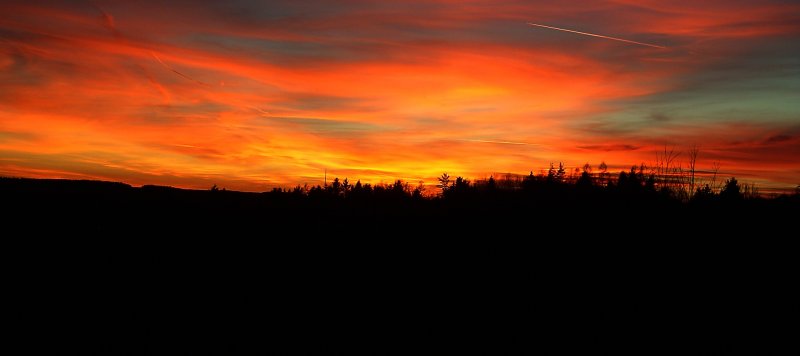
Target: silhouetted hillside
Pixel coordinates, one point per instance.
(535, 265)
(512, 203)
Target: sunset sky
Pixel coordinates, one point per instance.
(250, 95)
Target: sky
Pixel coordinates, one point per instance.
(251, 95)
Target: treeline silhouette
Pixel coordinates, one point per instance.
(552, 263)
(601, 197)
(554, 183)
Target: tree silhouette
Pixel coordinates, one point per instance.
(460, 187)
(444, 182)
(336, 186)
(585, 180)
(551, 173)
(461, 183)
(731, 190)
(693, 152)
(400, 188)
(650, 184)
(561, 172)
(603, 167)
(622, 180)
(346, 187)
(530, 179)
(417, 193)
(704, 193)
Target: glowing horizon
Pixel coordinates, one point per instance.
(250, 95)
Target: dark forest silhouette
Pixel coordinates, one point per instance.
(594, 196)
(552, 263)
(657, 188)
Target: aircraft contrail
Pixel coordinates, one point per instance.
(596, 35)
(108, 20)
(264, 113)
(175, 71)
(501, 142)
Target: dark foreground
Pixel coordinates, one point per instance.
(103, 268)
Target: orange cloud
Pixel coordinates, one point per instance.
(153, 93)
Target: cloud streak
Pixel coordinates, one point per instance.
(175, 71)
(596, 35)
(500, 142)
(383, 90)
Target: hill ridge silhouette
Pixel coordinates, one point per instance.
(547, 267)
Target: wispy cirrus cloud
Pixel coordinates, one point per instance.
(253, 95)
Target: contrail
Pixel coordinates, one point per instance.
(175, 71)
(156, 84)
(108, 20)
(501, 142)
(263, 113)
(595, 35)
